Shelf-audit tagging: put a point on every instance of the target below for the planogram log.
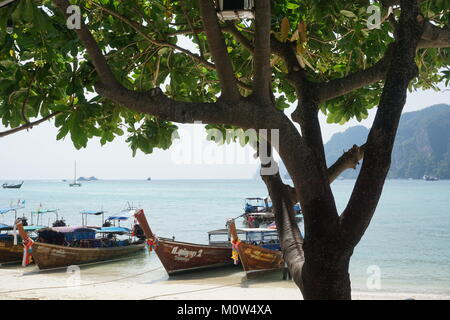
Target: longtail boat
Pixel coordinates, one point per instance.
(58, 247)
(12, 186)
(178, 257)
(10, 244)
(11, 247)
(260, 251)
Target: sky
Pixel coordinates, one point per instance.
(36, 154)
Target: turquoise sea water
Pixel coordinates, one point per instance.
(408, 239)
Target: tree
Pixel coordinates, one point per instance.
(322, 55)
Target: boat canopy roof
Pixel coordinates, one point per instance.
(72, 229)
(20, 205)
(243, 230)
(42, 211)
(33, 228)
(124, 214)
(93, 212)
(254, 198)
(262, 214)
(255, 230)
(113, 230)
(4, 227)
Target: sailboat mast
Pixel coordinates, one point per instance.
(75, 174)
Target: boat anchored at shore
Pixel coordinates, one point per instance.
(11, 248)
(178, 257)
(58, 247)
(259, 251)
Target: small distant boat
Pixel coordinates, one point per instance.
(58, 247)
(149, 179)
(12, 186)
(259, 252)
(430, 178)
(75, 183)
(178, 257)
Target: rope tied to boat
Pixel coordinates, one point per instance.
(27, 248)
(235, 250)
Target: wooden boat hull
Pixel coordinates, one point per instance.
(49, 256)
(10, 252)
(258, 259)
(178, 257)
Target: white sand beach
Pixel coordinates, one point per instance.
(31, 285)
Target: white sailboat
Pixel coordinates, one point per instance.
(75, 183)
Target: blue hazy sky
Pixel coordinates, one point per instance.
(37, 155)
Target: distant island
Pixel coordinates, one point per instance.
(422, 146)
(87, 179)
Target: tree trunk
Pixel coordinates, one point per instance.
(318, 265)
(325, 271)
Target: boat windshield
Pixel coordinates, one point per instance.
(259, 237)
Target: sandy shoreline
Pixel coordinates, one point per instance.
(19, 284)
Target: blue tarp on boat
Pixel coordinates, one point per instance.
(123, 215)
(113, 230)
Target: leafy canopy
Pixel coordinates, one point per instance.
(44, 68)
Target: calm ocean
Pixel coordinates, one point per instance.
(408, 241)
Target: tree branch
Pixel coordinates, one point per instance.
(339, 87)
(218, 48)
(432, 37)
(139, 30)
(29, 125)
(349, 160)
(435, 37)
(231, 28)
(98, 59)
(155, 102)
(261, 57)
(377, 154)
